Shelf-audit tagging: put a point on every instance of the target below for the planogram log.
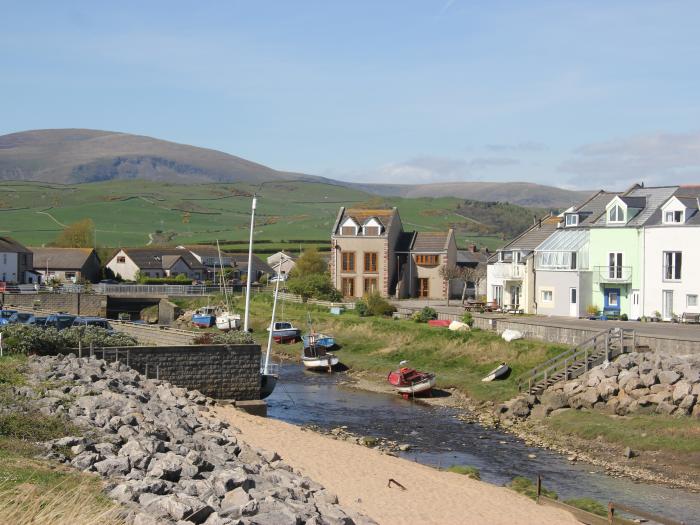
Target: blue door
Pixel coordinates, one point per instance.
(612, 299)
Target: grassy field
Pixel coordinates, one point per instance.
(376, 345)
(126, 212)
(34, 490)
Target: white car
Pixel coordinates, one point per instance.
(280, 278)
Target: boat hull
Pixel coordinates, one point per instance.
(286, 336)
(496, 373)
(318, 362)
(417, 388)
(267, 384)
(203, 321)
(228, 322)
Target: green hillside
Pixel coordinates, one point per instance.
(131, 213)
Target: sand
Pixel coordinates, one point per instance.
(359, 476)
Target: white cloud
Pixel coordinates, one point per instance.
(656, 159)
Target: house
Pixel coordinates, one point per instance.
(130, 263)
(16, 262)
(510, 272)
(474, 258)
(617, 253)
(370, 252)
(239, 261)
(671, 283)
(67, 264)
(211, 258)
(563, 273)
(281, 263)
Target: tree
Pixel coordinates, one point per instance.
(466, 274)
(450, 273)
(309, 263)
(80, 234)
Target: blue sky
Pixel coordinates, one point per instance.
(577, 94)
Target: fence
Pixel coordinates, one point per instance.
(298, 299)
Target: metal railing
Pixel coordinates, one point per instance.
(613, 274)
(504, 270)
(568, 364)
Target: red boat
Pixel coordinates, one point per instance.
(409, 382)
(440, 323)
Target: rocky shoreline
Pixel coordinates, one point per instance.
(162, 454)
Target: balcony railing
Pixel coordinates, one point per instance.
(508, 271)
(614, 274)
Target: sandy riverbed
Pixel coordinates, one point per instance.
(359, 476)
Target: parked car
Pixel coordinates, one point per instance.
(39, 321)
(93, 321)
(5, 316)
(59, 321)
(21, 318)
(281, 278)
(109, 281)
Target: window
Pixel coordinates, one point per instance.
(146, 274)
(371, 230)
(348, 285)
(691, 300)
(572, 219)
(613, 299)
(547, 296)
(423, 287)
(574, 293)
(427, 260)
(370, 262)
(672, 266)
(348, 259)
(615, 265)
(573, 260)
(121, 259)
(4, 258)
(70, 275)
(497, 292)
(673, 217)
(616, 214)
(370, 285)
(348, 230)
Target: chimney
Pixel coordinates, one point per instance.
(539, 224)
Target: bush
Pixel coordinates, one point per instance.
(234, 337)
(465, 470)
(624, 317)
(374, 304)
(27, 339)
(468, 319)
(527, 488)
(361, 308)
(425, 315)
(592, 309)
(316, 286)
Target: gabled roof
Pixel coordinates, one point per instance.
(61, 258)
(471, 257)
(240, 261)
(428, 242)
(161, 258)
(8, 245)
(634, 202)
(689, 196)
(565, 240)
(385, 217)
(591, 209)
(531, 238)
(203, 250)
(653, 197)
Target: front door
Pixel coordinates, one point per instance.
(573, 302)
(667, 305)
(515, 296)
(423, 287)
(635, 310)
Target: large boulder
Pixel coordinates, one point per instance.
(554, 400)
(681, 390)
(585, 400)
(668, 377)
(607, 388)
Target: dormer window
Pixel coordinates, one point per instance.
(571, 219)
(673, 217)
(616, 214)
(349, 227)
(372, 227)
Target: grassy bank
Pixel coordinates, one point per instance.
(33, 490)
(376, 345)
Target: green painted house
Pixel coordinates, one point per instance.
(616, 250)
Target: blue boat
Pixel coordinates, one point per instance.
(326, 341)
(204, 317)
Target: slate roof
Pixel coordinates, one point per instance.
(61, 258)
(240, 261)
(203, 250)
(360, 215)
(634, 202)
(8, 245)
(161, 258)
(653, 198)
(429, 242)
(405, 241)
(591, 209)
(531, 239)
(465, 257)
(688, 195)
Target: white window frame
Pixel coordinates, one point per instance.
(549, 291)
(620, 219)
(674, 264)
(615, 270)
(571, 219)
(695, 300)
(347, 223)
(673, 213)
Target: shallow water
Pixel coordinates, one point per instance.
(438, 438)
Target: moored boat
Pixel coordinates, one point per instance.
(315, 356)
(285, 332)
(497, 373)
(410, 382)
(226, 321)
(204, 317)
(326, 341)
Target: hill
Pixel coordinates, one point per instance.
(520, 193)
(82, 155)
(73, 156)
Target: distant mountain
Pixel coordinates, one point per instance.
(520, 193)
(76, 156)
(83, 155)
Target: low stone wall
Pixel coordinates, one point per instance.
(218, 371)
(93, 305)
(543, 332)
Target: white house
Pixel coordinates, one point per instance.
(281, 262)
(672, 257)
(16, 262)
(129, 263)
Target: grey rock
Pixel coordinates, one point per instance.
(113, 466)
(668, 377)
(681, 390)
(554, 400)
(229, 479)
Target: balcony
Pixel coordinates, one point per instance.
(508, 271)
(613, 274)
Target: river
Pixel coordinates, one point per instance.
(438, 438)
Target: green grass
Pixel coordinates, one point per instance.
(589, 505)
(465, 470)
(528, 488)
(642, 432)
(125, 213)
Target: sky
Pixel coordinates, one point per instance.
(586, 94)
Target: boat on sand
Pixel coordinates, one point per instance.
(410, 382)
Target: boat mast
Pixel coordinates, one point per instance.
(222, 283)
(272, 321)
(250, 264)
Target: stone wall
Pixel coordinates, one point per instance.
(218, 371)
(155, 335)
(73, 303)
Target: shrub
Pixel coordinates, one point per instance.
(26, 339)
(623, 317)
(592, 309)
(374, 304)
(316, 286)
(361, 308)
(234, 337)
(468, 319)
(527, 488)
(465, 470)
(425, 315)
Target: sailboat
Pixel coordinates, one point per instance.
(269, 372)
(314, 354)
(225, 319)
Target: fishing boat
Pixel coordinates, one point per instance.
(410, 382)
(316, 357)
(204, 317)
(225, 319)
(284, 332)
(497, 373)
(326, 341)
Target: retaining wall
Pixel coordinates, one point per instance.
(92, 305)
(218, 371)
